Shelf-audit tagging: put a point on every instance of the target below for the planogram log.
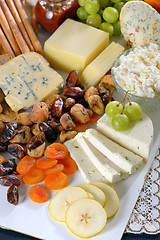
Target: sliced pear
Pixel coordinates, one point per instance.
(90, 195)
(86, 218)
(112, 200)
(96, 192)
(62, 200)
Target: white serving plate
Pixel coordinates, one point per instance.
(33, 219)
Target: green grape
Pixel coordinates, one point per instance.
(115, 1)
(103, 3)
(117, 28)
(92, 6)
(133, 111)
(94, 20)
(81, 2)
(81, 13)
(120, 122)
(119, 6)
(110, 14)
(113, 108)
(107, 27)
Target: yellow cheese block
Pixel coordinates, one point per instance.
(74, 45)
(100, 65)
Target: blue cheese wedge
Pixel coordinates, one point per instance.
(112, 172)
(86, 167)
(27, 79)
(120, 156)
(140, 24)
(138, 138)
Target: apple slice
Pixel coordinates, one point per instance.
(112, 200)
(96, 192)
(62, 200)
(86, 218)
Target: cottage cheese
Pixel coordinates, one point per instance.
(139, 71)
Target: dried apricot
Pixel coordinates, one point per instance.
(38, 194)
(57, 151)
(56, 181)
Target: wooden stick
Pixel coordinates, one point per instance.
(15, 30)
(33, 20)
(19, 22)
(6, 28)
(7, 48)
(36, 43)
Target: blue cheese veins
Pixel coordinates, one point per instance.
(27, 79)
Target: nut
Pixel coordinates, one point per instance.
(96, 104)
(64, 135)
(90, 91)
(80, 113)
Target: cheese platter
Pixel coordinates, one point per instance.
(124, 169)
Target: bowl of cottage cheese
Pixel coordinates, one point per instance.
(137, 71)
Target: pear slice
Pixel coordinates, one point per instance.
(86, 218)
(96, 192)
(112, 200)
(61, 201)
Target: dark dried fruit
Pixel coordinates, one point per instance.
(72, 79)
(7, 167)
(3, 146)
(9, 180)
(13, 195)
(67, 122)
(56, 125)
(8, 132)
(106, 98)
(57, 107)
(69, 102)
(50, 132)
(35, 141)
(73, 92)
(16, 150)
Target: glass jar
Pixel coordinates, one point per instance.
(51, 14)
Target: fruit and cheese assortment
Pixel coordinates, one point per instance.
(108, 154)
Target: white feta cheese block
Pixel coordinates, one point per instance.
(138, 138)
(112, 172)
(140, 24)
(27, 79)
(88, 170)
(125, 159)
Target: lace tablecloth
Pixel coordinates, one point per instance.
(145, 217)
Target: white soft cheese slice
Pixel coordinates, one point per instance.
(138, 138)
(112, 172)
(120, 156)
(27, 79)
(140, 24)
(88, 170)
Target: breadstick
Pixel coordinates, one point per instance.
(36, 43)
(5, 44)
(19, 23)
(6, 28)
(15, 30)
(1, 49)
(33, 20)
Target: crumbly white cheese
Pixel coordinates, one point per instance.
(139, 71)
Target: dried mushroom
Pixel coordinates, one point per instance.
(106, 84)
(66, 122)
(37, 152)
(23, 135)
(80, 113)
(8, 115)
(89, 92)
(96, 104)
(24, 119)
(67, 135)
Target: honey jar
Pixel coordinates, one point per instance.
(50, 14)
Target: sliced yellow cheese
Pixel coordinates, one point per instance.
(74, 45)
(27, 79)
(100, 65)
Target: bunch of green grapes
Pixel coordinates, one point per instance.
(102, 14)
(122, 115)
